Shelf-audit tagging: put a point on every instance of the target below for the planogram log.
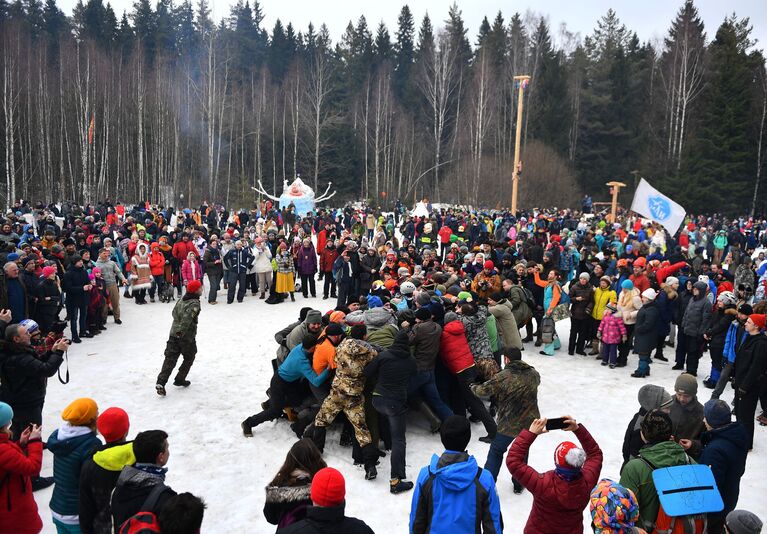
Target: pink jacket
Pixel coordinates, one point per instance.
(611, 328)
(190, 271)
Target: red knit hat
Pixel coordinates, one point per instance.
(193, 286)
(759, 319)
(113, 424)
(569, 455)
(328, 487)
(489, 265)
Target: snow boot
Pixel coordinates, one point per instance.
(182, 383)
(399, 486)
(370, 456)
(160, 390)
(247, 428)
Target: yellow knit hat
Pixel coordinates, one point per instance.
(80, 412)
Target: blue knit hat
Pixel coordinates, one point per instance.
(6, 414)
(717, 413)
(627, 284)
(374, 302)
(13, 257)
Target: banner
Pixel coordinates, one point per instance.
(654, 205)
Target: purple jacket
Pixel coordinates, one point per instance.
(612, 329)
(306, 260)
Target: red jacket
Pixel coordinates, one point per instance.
(181, 249)
(157, 262)
(557, 504)
(454, 347)
(18, 510)
(327, 258)
(664, 272)
(444, 234)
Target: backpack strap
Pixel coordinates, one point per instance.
(58, 371)
(154, 496)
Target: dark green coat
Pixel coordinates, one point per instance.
(185, 314)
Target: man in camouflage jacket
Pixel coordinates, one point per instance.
(352, 355)
(515, 392)
(182, 339)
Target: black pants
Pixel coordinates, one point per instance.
(281, 395)
(159, 283)
(625, 348)
(25, 416)
(215, 281)
(77, 317)
(234, 279)
(537, 316)
(251, 282)
(140, 296)
(579, 329)
(344, 290)
(307, 285)
(681, 347)
(473, 403)
(717, 355)
(694, 346)
(174, 348)
(745, 411)
(330, 284)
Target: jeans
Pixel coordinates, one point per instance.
(423, 383)
(724, 378)
(329, 284)
(396, 413)
(681, 347)
(215, 281)
(498, 448)
(77, 317)
(234, 279)
(473, 403)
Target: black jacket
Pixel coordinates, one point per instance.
(751, 363)
(74, 281)
(131, 491)
(394, 367)
(24, 374)
(645, 330)
(211, 267)
(47, 309)
(321, 520)
(98, 478)
(717, 328)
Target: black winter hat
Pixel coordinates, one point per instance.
(309, 341)
(334, 329)
(455, 433)
(423, 314)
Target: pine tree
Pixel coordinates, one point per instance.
(186, 36)
(549, 109)
(382, 45)
(722, 156)
(404, 56)
(279, 52)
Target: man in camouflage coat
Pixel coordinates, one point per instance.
(515, 392)
(346, 395)
(182, 339)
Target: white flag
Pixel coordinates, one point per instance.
(654, 205)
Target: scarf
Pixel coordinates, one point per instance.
(568, 474)
(152, 469)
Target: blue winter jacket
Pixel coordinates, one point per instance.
(70, 446)
(725, 450)
(732, 342)
(453, 495)
(298, 365)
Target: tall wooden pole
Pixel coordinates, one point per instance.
(615, 188)
(522, 82)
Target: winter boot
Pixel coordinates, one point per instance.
(317, 435)
(247, 428)
(182, 383)
(397, 485)
(160, 390)
(370, 456)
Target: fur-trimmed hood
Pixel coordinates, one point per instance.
(288, 494)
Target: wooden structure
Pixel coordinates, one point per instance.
(615, 188)
(522, 82)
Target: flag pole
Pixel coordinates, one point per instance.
(522, 82)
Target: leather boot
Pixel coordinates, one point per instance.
(429, 415)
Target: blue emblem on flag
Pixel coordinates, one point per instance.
(659, 207)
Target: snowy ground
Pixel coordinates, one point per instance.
(211, 458)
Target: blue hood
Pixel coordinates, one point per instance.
(457, 476)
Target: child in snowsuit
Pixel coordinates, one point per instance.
(611, 332)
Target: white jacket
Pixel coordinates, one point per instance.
(263, 263)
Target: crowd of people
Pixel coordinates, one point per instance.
(432, 315)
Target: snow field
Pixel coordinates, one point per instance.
(210, 457)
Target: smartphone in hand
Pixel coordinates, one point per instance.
(556, 423)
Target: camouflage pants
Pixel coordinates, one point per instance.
(174, 348)
(354, 408)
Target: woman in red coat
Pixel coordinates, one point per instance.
(18, 512)
(559, 496)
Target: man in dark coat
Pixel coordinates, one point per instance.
(645, 332)
(724, 450)
(77, 286)
(24, 374)
(750, 373)
(582, 302)
(327, 515)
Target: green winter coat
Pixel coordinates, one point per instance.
(383, 337)
(515, 392)
(185, 314)
(637, 476)
(492, 332)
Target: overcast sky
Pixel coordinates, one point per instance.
(649, 18)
